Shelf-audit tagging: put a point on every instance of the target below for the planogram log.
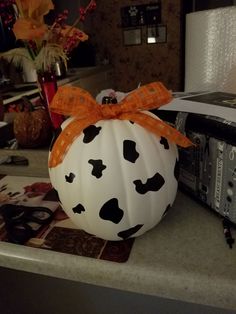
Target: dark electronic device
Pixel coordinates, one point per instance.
(207, 170)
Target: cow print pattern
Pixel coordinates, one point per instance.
(152, 184)
(111, 211)
(129, 151)
(164, 142)
(98, 167)
(70, 178)
(90, 133)
(129, 232)
(78, 209)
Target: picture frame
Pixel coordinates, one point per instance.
(156, 34)
(132, 36)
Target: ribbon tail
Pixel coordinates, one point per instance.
(67, 137)
(157, 127)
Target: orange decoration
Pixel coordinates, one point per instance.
(77, 102)
(29, 29)
(44, 44)
(34, 9)
(75, 32)
(69, 34)
(30, 25)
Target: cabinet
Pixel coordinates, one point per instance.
(34, 293)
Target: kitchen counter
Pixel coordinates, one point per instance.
(185, 257)
(74, 75)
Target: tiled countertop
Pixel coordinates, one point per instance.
(185, 258)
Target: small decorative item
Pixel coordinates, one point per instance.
(32, 126)
(114, 166)
(43, 45)
(48, 84)
(140, 15)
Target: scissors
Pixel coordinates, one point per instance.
(24, 222)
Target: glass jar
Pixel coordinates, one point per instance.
(48, 84)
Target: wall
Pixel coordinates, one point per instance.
(71, 5)
(143, 63)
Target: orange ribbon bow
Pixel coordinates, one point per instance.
(74, 101)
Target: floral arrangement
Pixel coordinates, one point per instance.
(43, 44)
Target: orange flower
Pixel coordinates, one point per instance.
(34, 9)
(29, 29)
(42, 40)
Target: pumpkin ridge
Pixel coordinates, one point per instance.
(121, 167)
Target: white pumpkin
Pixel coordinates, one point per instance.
(117, 179)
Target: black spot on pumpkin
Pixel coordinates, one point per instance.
(152, 184)
(129, 232)
(98, 167)
(90, 133)
(167, 209)
(57, 132)
(78, 209)
(164, 142)
(176, 170)
(111, 211)
(70, 177)
(132, 122)
(129, 151)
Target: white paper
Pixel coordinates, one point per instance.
(184, 104)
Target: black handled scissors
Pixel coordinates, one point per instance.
(24, 222)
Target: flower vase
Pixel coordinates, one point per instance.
(48, 84)
(29, 71)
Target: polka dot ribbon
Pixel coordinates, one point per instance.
(74, 101)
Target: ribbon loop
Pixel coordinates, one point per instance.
(73, 101)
